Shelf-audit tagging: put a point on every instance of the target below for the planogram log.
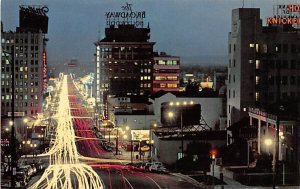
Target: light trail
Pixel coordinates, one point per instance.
(65, 171)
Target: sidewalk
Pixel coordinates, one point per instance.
(230, 183)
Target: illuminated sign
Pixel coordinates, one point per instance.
(140, 134)
(285, 14)
(44, 69)
(126, 16)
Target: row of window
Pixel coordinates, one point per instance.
(145, 78)
(20, 90)
(263, 48)
(285, 80)
(166, 78)
(145, 85)
(167, 85)
(167, 62)
(21, 41)
(20, 83)
(19, 97)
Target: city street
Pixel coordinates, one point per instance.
(112, 175)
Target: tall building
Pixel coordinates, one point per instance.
(124, 61)
(166, 72)
(264, 82)
(258, 55)
(26, 49)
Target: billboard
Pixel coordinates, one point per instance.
(191, 114)
(140, 135)
(34, 17)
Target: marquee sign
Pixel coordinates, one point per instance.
(285, 14)
(126, 16)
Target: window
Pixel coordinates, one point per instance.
(229, 93)
(250, 61)
(257, 80)
(251, 45)
(292, 80)
(233, 47)
(233, 62)
(229, 78)
(284, 80)
(228, 108)
(229, 63)
(229, 48)
(285, 48)
(265, 48)
(233, 94)
(278, 48)
(257, 48)
(256, 96)
(233, 78)
(257, 64)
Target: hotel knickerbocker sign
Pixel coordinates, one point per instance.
(126, 16)
(285, 14)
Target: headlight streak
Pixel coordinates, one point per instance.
(64, 170)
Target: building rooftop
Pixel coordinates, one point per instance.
(204, 93)
(126, 33)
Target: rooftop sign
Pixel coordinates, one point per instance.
(125, 16)
(285, 14)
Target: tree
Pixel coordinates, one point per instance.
(197, 157)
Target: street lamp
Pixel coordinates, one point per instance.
(25, 120)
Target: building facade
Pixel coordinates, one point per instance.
(124, 62)
(258, 55)
(27, 47)
(264, 82)
(166, 72)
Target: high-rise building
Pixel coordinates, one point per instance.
(166, 72)
(264, 83)
(258, 55)
(124, 62)
(25, 51)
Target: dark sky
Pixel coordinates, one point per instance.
(179, 27)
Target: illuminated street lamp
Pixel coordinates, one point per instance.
(268, 142)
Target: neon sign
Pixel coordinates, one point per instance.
(126, 16)
(285, 14)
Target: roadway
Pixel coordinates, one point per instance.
(112, 175)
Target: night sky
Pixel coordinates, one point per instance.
(179, 27)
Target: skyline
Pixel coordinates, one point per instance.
(188, 29)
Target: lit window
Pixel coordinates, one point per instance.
(256, 96)
(141, 77)
(257, 63)
(257, 47)
(251, 45)
(256, 80)
(250, 61)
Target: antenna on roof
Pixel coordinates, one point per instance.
(243, 3)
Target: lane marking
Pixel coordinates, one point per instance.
(128, 182)
(154, 182)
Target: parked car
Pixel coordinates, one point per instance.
(22, 178)
(157, 166)
(107, 148)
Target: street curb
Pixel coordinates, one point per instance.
(191, 180)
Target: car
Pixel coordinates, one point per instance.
(107, 148)
(157, 166)
(147, 166)
(22, 178)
